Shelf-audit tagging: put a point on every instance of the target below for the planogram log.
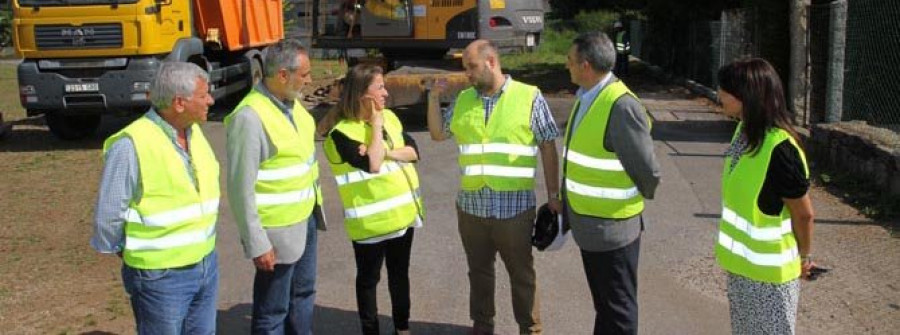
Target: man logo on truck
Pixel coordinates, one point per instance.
(78, 35)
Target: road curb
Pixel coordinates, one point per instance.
(695, 87)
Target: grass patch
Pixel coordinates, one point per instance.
(553, 49)
(862, 195)
(9, 96)
(327, 68)
(546, 66)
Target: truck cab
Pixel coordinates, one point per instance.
(85, 58)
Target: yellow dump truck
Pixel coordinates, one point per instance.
(85, 58)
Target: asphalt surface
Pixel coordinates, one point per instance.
(439, 286)
(681, 289)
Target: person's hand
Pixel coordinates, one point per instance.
(377, 118)
(806, 267)
(363, 150)
(370, 108)
(554, 205)
(266, 261)
(436, 86)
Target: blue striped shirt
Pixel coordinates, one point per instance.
(488, 203)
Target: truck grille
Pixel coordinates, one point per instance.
(78, 37)
(446, 3)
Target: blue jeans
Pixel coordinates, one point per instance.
(174, 301)
(284, 300)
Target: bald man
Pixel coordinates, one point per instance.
(500, 126)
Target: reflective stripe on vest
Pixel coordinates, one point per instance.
(375, 204)
(757, 233)
(381, 206)
(763, 259)
(621, 45)
(591, 162)
(601, 192)
(168, 218)
(360, 175)
(173, 223)
(596, 183)
(287, 172)
(286, 189)
(170, 241)
(501, 154)
(751, 243)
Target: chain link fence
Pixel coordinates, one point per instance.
(819, 51)
(870, 91)
(872, 63)
(697, 49)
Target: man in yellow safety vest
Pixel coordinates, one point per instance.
(158, 204)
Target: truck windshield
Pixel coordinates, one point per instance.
(25, 3)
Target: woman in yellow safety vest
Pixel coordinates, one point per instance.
(372, 161)
(765, 232)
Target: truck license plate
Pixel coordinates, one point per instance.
(529, 40)
(82, 87)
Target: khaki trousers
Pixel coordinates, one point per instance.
(482, 239)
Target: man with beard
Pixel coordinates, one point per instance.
(500, 125)
(273, 191)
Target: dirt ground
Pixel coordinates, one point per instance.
(51, 281)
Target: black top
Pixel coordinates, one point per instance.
(785, 179)
(348, 149)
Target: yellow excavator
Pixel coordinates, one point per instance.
(415, 32)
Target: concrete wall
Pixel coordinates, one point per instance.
(857, 149)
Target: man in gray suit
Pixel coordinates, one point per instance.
(604, 186)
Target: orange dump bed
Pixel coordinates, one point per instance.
(241, 24)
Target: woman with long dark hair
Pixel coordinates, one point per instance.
(372, 160)
(765, 233)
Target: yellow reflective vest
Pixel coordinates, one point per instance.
(286, 188)
(751, 243)
(596, 183)
(173, 224)
(501, 154)
(375, 204)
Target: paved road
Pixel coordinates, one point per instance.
(438, 269)
(681, 290)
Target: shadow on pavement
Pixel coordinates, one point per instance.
(236, 320)
(714, 131)
(818, 221)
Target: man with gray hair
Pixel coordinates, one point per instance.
(604, 186)
(273, 191)
(158, 204)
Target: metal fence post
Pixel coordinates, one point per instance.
(798, 75)
(834, 95)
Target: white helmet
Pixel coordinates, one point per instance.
(617, 24)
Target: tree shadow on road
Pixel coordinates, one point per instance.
(552, 79)
(713, 131)
(328, 320)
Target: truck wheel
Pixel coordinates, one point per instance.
(72, 127)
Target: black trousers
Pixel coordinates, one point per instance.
(621, 67)
(612, 278)
(369, 258)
